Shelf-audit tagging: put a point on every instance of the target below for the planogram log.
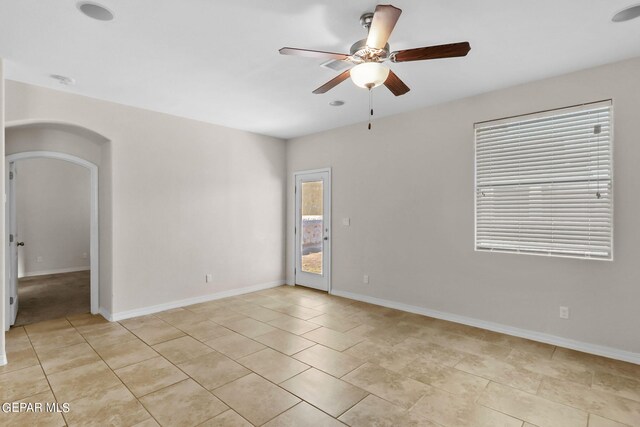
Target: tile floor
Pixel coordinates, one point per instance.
(296, 357)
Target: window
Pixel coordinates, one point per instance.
(544, 183)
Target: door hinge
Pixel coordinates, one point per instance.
(10, 175)
(10, 300)
(10, 238)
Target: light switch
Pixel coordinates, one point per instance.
(346, 221)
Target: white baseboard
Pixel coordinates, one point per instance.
(596, 349)
(55, 271)
(114, 317)
(3, 359)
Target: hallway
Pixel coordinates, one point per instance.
(53, 296)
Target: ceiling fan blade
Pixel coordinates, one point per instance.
(333, 82)
(317, 54)
(432, 52)
(384, 19)
(395, 85)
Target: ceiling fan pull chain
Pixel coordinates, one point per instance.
(370, 106)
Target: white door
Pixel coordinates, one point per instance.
(12, 270)
(313, 229)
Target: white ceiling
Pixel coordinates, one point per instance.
(218, 61)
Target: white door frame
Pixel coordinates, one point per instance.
(327, 224)
(94, 244)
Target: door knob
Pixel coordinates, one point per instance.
(20, 244)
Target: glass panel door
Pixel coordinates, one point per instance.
(313, 229)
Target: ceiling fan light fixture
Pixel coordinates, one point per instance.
(369, 74)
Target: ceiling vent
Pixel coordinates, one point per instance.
(336, 65)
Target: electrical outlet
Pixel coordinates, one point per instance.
(365, 279)
(564, 312)
(39, 259)
(84, 255)
(208, 278)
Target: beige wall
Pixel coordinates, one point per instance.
(188, 198)
(408, 187)
(53, 213)
(2, 224)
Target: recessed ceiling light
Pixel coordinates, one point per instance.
(95, 11)
(627, 14)
(63, 80)
(336, 103)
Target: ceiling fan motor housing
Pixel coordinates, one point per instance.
(368, 54)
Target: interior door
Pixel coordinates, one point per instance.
(12, 297)
(313, 229)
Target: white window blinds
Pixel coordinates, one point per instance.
(544, 183)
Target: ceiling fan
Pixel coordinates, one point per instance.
(369, 54)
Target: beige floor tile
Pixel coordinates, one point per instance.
(260, 313)
(145, 377)
(205, 330)
(597, 421)
(180, 317)
(373, 411)
(16, 339)
(303, 414)
(34, 419)
(61, 359)
(299, 311)
(249, 327)
(149, 422)
(382, 354)
(389, 385)
(329, 360)
(81, 381)
(86, 319)
(335, 322)
(465, 343)
(546, 366)
(284, 342)
(183, 404)
(620, 386)
(182, 349)
(255, 398)
(213, 370)
(55, 339)
(157, 333)
(539, 349)
(430, 351)
(597, 363)
(22, 383)
(450, 379)
(531, 408)
(323, 391)
(142, 321)
(228, 418)
(47, 326)
(114, 406)
(235, 345)
(449, 410)
(597, 402)
(19, 359)
(333, 339)
(126, 353)
(500, 372)
(107, 335)
(293, 325)
(273, 365)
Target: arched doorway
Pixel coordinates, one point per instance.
(72, 155)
